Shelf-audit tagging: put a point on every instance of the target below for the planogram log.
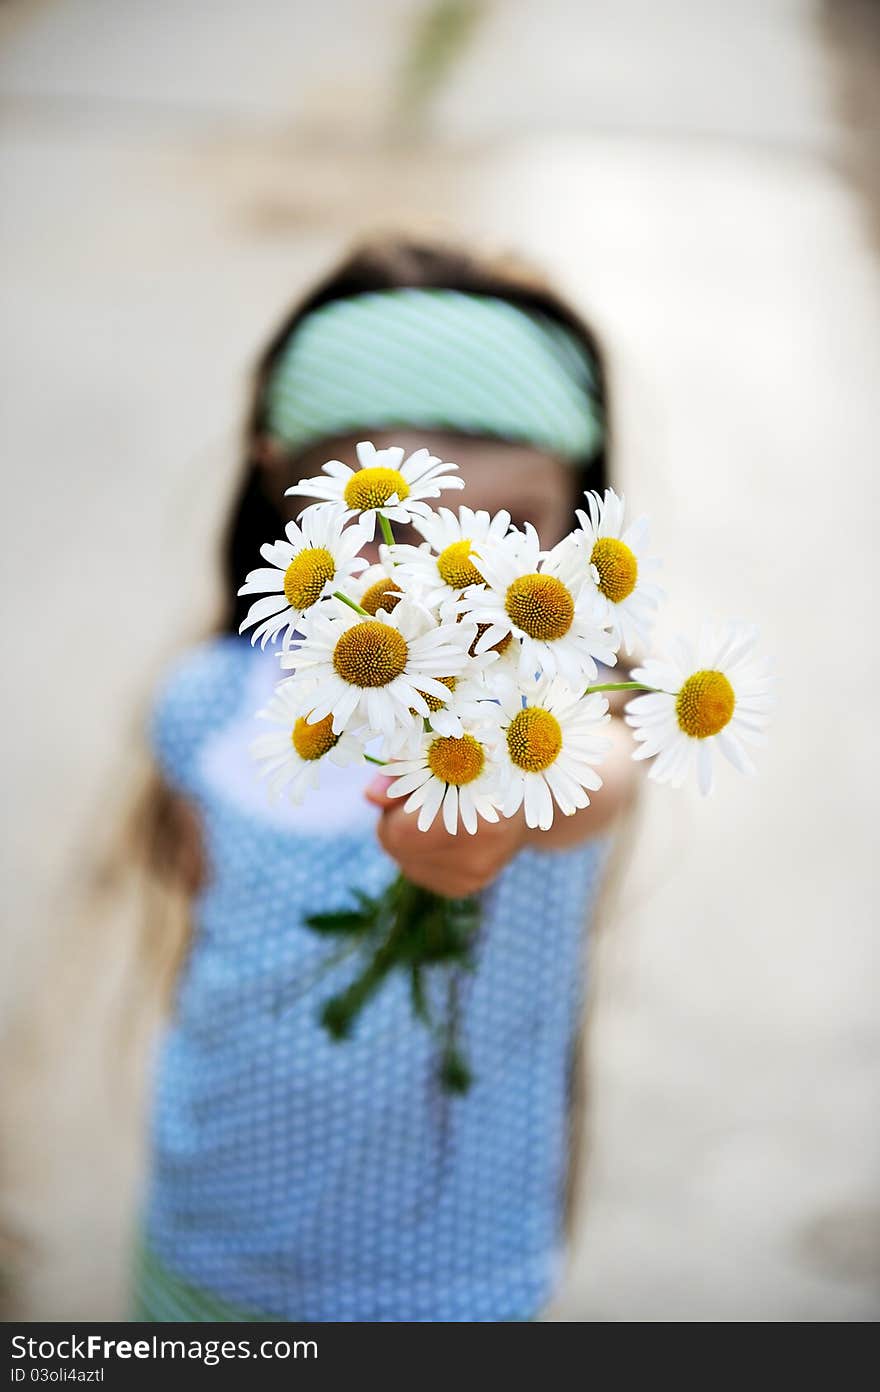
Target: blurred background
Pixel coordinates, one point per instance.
(703, 178)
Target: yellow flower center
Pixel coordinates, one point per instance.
(313, 741)
(704, 704)
(376, 596)
(541, 606)
(534, 738)
(456, 567)
(306, 576)
(456, 761)
(370, 654)
(371, 488)
(500, 647)
(617, 566)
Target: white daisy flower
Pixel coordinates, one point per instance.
(503, 673)
(468, 694)
(495, 669)
(541, 600)
(376, 670)
(291, 754)
(376, 588)
(383, 484)
(714, 695)
(464, 707)
(320, 555)
(618, 567)
(548, 744)
(442, 568)
(455, 773)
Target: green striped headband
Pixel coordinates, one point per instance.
(434, 359)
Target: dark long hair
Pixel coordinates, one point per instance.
(385, 263)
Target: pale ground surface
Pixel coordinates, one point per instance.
(168, 183)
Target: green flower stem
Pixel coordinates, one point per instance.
(620, 686)
(337, 594)
(340, 1011)
(371, 758)
(405, 928)
(305, 986)
(396, 908)
(386, 529)
(454, 1072)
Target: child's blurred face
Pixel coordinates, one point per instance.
(532, 485)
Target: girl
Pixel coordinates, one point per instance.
(294, 1177)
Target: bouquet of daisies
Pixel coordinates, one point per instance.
(468, 668)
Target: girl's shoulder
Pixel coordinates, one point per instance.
(200, 691)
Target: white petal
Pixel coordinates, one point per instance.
(467, 810)
(544, 804)
(704, 767)
(734, 753)
(263, 608)
(431, 805)
(267, 580)
(408, 782)
(450, 809)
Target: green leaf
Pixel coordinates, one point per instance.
(368, 904)
(346, 921)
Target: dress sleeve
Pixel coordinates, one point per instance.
(199, 693)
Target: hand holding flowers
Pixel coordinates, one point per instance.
(468, 668)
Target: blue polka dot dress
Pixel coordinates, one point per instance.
(296, 1178)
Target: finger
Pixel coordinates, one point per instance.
(398, 831)
(376, 791)
(399, 834)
